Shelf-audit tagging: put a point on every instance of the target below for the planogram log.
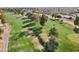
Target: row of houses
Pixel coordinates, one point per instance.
(68, 13)
(70, 16)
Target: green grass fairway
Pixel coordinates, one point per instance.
(64, 30)
(67, 38)
(18, 41)
(74, 38)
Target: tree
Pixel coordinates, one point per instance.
(29, 14)
(43, 20)
(22, 13)
(53, 32)
(76, 22)
(51, 45)
(55, 15)
(1, 31)
(61, 21)
(17, 10)
(58, 16)
(3, 21)
(2, 17)
(33, 17)
(76, 30)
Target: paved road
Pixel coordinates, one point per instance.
(5, 37)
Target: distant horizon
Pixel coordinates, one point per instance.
(47, 10)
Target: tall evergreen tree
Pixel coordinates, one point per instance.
(53, 32)
(43, 20)
(51, 45)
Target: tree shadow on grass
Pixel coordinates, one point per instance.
(17, 36)
(36, 32)
(28, 25)
(22, 34)
(27, 21)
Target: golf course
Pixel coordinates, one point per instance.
(21, 41)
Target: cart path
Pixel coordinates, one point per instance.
(5, 37)
(70, 22)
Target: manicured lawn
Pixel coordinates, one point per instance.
(18, 40)
(67, 38)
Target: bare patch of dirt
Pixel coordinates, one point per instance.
(44, 37)
(36, 43)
